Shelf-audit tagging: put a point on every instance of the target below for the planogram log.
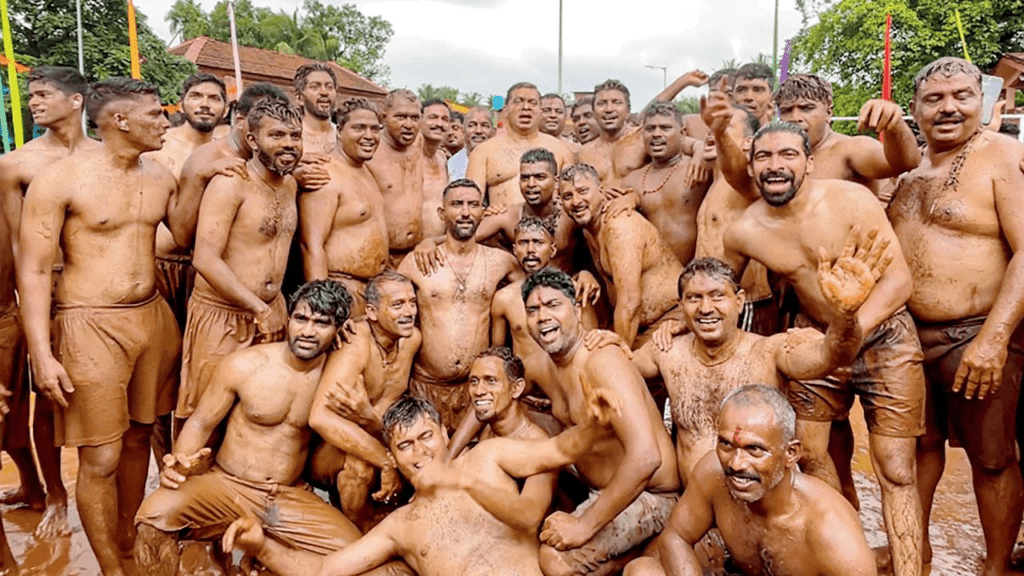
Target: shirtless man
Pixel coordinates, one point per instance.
(620, 148)
(316, 88)
(631, 472)
(667, 197)
(494, 165)
(476, 128)
(264, 392)
(114, 369)
(244, 232)
(14, 432)
(959, 219)
(468, 517)
(693, 126)
(455, 303)
(397, 166)
(752, 85)
(344, 235)
(204, 104)
(715, 357)
(796, 218)
(434, 125)
(553, 117)
(360, 381)
(455, 140)
(584, 123)
(773, 518)
(56, 100)
(638, 267)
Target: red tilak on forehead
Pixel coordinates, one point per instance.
(736, 435)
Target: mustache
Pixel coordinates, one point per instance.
(742, 475)
(947, 116)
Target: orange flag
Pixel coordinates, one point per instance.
(133, 42)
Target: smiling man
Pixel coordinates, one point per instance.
(316, 88)
(435, 126)
(245, 230)
(773, 518)
(619, 149)
(584, 124)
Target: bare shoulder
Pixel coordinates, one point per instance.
(708, 477)
(606, 364)
(221, 185)
(554, 145)
(505, 259)
(248, 360)
(158, 174)
(829, 514)
(1000, 149)
(507, 295)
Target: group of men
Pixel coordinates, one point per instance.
(312, 295)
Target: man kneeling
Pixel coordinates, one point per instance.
(265, 392)
(773, 518)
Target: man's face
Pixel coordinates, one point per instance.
(277, 144)
(204, 106)
(712, 308)
(310, 334)
(779, 166)
(523, 110)
(663, 137)
(490, 388)
(813, 116)
(552, 113)
(318, 95)
(585, 125)
(435, 123)
(553, 320)
(948, 110)
(455, 139)
(396, 312)
(145, 122)
(582, 199)
(751, 451)
(534, 249)
(753, 94)
(537, 183)
(611, 109)
(462, 211)
(418, 445)
(478, 128)
(49, 105)
(360, 135)
(402, 121)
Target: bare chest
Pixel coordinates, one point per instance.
(117, 204)
(932, 198)
(271, 400)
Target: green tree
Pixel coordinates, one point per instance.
(471, 99)
(187, 20)
(45, 32)
(688, 104)
(430, 92)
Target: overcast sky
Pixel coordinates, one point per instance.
(487, 45)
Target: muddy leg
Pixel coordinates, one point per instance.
(96, 493)
(931, 460)
(55, 519)
(840, 449)
(156, 552)
(895, 465)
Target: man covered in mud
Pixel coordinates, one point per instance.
(619, 148)
(244, 232)
(960, 219)
(494, 164)
(631, 472)
(435, 124)
(467, 516)
(316, 88)
(584, 125)
(773, 518)
(344, 234)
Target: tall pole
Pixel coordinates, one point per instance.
(234, 51)
(559, 46)
(81, 52)
(775, 41)
(664, 74)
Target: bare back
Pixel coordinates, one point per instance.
(399, 175)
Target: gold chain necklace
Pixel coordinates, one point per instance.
(643, 178)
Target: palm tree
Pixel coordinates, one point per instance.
(187, 20)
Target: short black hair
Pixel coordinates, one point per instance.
(325, 297)
(64, 78)
(350, 106)
(513, 365)
(804, 86)
(755, 71)
(373, 286)
(302, 74)
(458, 117)
(435, 102)
(663, 109)
(577, 170)
(553, 96)
(116, 89)
(611, 84)
(275, 109)
(583, 101)
(549, 278)
(460, 183)
(538, 156)
(198, 78)
(717, 76)
(710, 267)
(519, 85)
(404, 413)
(778, 126)
(947, 66)
(255, 93)
(534, 223)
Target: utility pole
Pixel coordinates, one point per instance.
(559, 46)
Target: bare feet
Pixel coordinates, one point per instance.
(18, 497)
(55, 521)
(883, 560)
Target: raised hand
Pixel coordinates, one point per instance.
(715, 109)
(879, 115)
(695, 78)
(846, 282)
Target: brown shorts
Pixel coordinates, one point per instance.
(215, 329)
(356, 289)
(887, 375)
(175, 278)
(14, 432)
(760, 316)
(633, 527)
(985, 428)
(205, 505)
(450, 399)
(123, 363)
(396, 256)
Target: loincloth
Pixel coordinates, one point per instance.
(449, 398)
(175, 278)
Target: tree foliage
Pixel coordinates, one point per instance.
(45, 32)
(319, 31)
(843, 41)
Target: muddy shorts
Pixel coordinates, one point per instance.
(395, 257)
(205, 505)
(760, 316)
(450, 399)
(175, 278)
(356, 288)
(887, 375)
(215, 329)
(14, 432)
(632, 528)
(123, 363)
(985, 428)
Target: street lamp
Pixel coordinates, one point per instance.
(664, 74)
